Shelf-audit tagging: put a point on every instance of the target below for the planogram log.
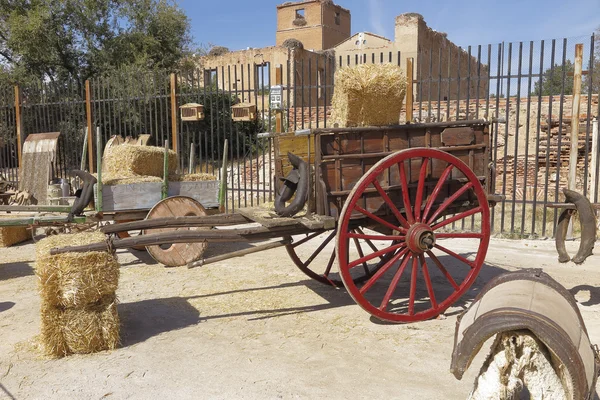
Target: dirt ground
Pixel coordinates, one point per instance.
(254, 328)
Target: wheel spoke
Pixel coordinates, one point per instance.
(436, 190)
(384, 269)
(375, 254)
(362, 255)
(457, 217)
(434, 304)
(394, 283)
(309, 237)
(413, 286)
(375, 218)
(319, 249)
(376, 237)
(457, 256)
(459, 235)
(443, 269)
(371, 245)
(329, 264)
(421, 188)
(405, 195)
(391, 205)
(449, 201)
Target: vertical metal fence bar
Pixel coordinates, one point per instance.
(549, 123)
(537, 143)
(527, 127)
(506, 132)
(560, 132)
(516, 150)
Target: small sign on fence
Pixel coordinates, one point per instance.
(276, 98)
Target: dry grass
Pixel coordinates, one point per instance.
(197, 177)
(80, 330)
(75, 279)
(368, 95)
(125, 161)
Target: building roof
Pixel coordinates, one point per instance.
(364, 33)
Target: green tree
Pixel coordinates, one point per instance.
(78, 39)
(551, 83)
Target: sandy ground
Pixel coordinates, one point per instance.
(254, 328)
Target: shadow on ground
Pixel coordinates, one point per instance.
(15, 270)
(6, 305)
(594, 294)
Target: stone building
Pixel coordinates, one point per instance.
(430, 51)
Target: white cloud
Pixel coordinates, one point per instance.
(376, 17)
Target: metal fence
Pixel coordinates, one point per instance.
(527, 84)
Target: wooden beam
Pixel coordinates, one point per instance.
(19, 123)
(174, 112)
(409, 89)
(88, 112)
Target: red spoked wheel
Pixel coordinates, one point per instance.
(315, 255)
(420, 276)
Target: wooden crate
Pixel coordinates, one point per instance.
(143, 196)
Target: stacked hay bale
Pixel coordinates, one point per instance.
(368, 95)
(12, 235)
(78, 292)
(125, 164)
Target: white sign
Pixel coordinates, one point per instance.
(276, 98)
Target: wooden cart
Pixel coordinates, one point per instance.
(406, 206)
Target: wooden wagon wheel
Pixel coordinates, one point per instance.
(126, 234)
(434, 275)
(316, 257)
(177, 254)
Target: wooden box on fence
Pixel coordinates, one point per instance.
(301, 146)
(144, 195)
(243, 112)
(192, 112)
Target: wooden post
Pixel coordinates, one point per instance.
(99, 166)
(192, 158)
(223, 186)
(174, 111)
(84, 150)
(575, 116)
(594, 166)
(19, 122)
(88, 112)
(165, 183)
(278, 113)
(409, 90)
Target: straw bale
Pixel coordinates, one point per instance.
(80, 330)
(368, 95)
(126, 160)
(12, 235)
(113, 180)
(202, 176)
(75, 279)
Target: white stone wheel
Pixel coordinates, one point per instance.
(176, 254)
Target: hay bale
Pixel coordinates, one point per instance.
(126, 161)
(368, 95)
(202, 176)
(75, 279)
(12, 235)
(85, 330)
(112, 180)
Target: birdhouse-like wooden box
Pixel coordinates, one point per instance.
(192, 112)
(243, 112)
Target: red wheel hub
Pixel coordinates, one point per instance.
(420, 238)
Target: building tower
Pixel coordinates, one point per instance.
(318, 24)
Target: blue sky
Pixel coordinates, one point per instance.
(238, 24)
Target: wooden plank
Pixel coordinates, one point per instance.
(409, 90)
(134, 196)
(265, 217)
(19, 124)
(458, 136)
(205, 192)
